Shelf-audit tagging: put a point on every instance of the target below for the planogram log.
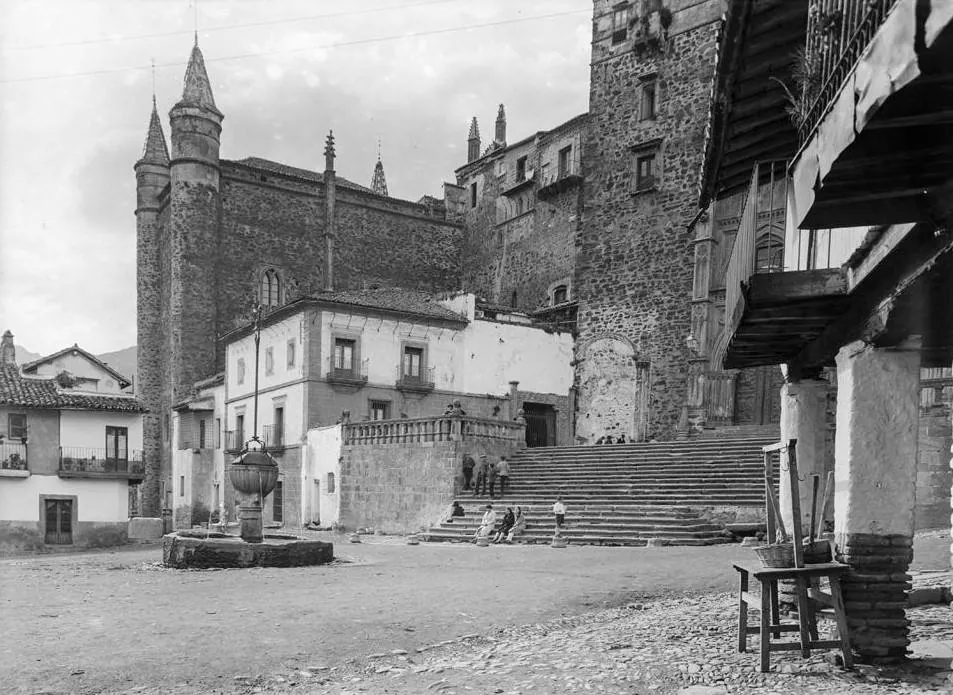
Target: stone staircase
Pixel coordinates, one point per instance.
(626, 494)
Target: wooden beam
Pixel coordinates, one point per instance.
(792, 287)
(907, 263)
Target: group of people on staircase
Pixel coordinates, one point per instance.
(487, 474)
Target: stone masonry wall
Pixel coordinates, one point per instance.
(934, 476)
(403, 488)
(635, 264)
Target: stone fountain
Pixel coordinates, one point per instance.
(253, 475)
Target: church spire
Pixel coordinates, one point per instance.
(500, 135)
(379, 183)
(197, 90)
(155, 150)
(473, 141)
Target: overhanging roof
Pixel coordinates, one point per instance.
(749, 120)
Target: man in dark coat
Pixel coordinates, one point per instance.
(468, 464)
(481, 476)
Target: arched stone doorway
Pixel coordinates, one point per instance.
(613, 390)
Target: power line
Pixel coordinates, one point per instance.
(339, 44)
(227, 27)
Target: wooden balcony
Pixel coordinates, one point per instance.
(877, 140)
(771, 314)
(86, 462)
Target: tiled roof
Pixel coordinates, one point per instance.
(395, 299)
(285, 170)
(17, 390)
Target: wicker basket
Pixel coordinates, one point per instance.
(776, 555)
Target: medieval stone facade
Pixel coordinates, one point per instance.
(650, 87)
(217, 237)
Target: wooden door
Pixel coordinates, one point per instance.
(59, 522)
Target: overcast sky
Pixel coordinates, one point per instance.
(283, 73)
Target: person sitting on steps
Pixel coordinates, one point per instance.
(508, 520)
(519, 525)
(487, 524)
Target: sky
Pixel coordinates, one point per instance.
(77, 84)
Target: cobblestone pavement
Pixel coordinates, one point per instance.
(684, 645)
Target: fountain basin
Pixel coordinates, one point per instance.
(198, 550)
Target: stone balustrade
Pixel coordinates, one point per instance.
(443, 428)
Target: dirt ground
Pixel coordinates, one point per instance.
(114, 621)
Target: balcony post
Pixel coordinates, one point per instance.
(875, 470)
(804, 418)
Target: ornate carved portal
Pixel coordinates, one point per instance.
(613, 390)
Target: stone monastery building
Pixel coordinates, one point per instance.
(586, 227)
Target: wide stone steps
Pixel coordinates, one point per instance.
(627, 494)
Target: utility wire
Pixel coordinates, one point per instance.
(227, 27)
(340, 44)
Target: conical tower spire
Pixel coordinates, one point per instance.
(473, 141)
(197, 90)
(379, 183)
(500, 135)
(155, 150)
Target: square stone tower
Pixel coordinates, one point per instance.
(650, 93)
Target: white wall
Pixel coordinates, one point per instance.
(380, 342)
(276, 337)
(322, 456)
(290, 397)
(97, 500)
(497, 353)
(87, 428)
(77, 365)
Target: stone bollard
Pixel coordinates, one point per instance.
(750, 542)
(559, 542)
(413, 540)
(355, 538)
(483, 541)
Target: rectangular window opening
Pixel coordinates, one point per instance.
(269, 361)
(181, 486)
(117, 443)
(473, 194)
(380, 410)
(291, 353)
(620, 18)
(240, 369)
(649, 100)
(16, 426)
(202, 433)
(565, 161)
(279, 431)
(413, 363)
(646, 170)
(277, 511)
(520, 169)
(344, 355)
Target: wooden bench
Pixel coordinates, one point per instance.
(808, 600)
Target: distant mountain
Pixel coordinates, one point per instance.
(126, 361)
(24, 355)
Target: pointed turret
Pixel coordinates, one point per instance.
(500, 136)
(198, 90)
(379, 183)
(155, 150)
(473, 141)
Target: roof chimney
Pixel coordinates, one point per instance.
(8, 351)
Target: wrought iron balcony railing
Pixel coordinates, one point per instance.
(100, 462)
(13, 456)
(273, 436)
(838, 31)
(353, 375)
(422, 381)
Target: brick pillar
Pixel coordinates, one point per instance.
(804, 418)
(875, 477)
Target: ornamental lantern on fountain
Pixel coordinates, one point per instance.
(254, 473)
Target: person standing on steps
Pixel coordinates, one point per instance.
(482, 471)
(503, 471)
(559, 511)
(468, 464)
(492, 474)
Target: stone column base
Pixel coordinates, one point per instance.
(875, 594)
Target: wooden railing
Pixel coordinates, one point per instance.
(838, 31)
(747, 255)
(444, 428)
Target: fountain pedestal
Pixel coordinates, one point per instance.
(251, 522)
